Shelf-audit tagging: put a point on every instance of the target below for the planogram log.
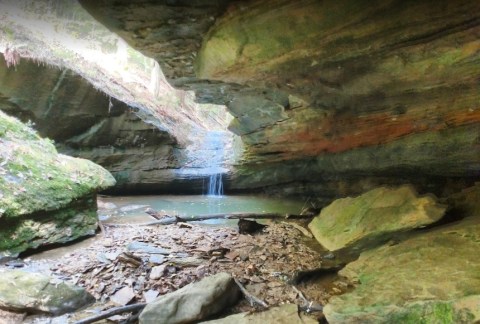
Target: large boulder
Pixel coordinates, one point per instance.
(432, 277)
(284, 314)
(373, 217)
(36, 293)
(45, 197)
(194, 302)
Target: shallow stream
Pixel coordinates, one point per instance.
(131, 209)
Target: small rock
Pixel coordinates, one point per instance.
(157, 272)
(141, 247)
(246, 226)
(150, 295)
(123, 296)
(251, 269)
(157, 259)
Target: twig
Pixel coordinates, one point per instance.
(251, 298)
(300, 294)
(308, 306)
(111, 312)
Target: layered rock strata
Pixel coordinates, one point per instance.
(84, 122)
(330, 99)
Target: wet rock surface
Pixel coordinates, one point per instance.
(374, 217)
(26, 292)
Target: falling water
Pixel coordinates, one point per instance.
(214, 143)
(215, 185)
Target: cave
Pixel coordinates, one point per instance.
(175, 161)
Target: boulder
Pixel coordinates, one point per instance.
(45, 197)
(36, 293)
(285, 314)
(429, 278)
(194, 302)
(373, 217)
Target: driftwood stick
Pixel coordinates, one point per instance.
(308, 306)
(177, 219)
(251, 298)
(111, 312)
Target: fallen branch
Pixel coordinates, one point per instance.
(250, 298)
(179, 219)
(111, 312)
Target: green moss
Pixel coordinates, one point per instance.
(43, 228)
(431, 313)
(35, 177)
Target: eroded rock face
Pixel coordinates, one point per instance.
(45, 197)
(330, 98)
(373, 217)
(194, 302)
(86, 123)
(36, 293)
(431, 277)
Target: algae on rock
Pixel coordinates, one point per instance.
(373, 217)
(432, 277)
(45, 197)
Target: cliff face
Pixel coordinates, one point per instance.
(86, 123)
(329, 97)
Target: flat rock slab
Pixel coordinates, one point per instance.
(285, 314)
(36, 293)
(194, 302)
(431, 277)
(141, 247)
(373, 217)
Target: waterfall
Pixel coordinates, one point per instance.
(215, 185)
(214, 143)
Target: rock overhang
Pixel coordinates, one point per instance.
(365, 82)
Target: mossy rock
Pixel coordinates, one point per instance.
(36, 293)
(373, 217)
(431, 277)
(43, 193)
